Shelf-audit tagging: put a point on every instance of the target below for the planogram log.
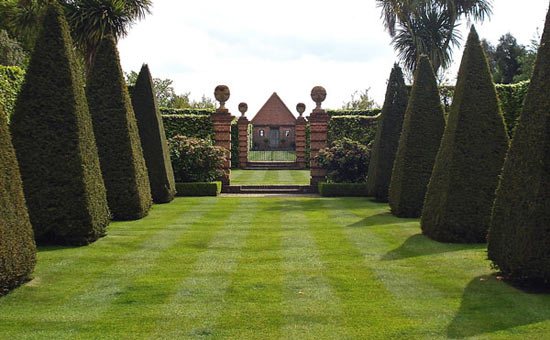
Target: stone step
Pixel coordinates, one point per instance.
(267, 189)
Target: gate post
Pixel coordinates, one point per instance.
(318, 124)
(242, 125)
(222, 129)
(301, 124)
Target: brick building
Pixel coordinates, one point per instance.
(274, 126)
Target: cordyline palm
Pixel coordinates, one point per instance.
(429, 27)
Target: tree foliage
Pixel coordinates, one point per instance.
(387, 136)
(11, 52)
(462, 187)
(54, 140)
(119, 145)
(423, 127)
(360, 101)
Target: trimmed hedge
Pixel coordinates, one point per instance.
(369, 113)
(54, 141)
(172, 111)
(198, 126)
(423, 127)
(361, 129)
(17, 247)
(519, 235)
(235, 144)
(511, 98)
(11, 80)
(153, 138)
(199, 189)
(387, 136)
(461, 192)
(343, 189)
(117, 136)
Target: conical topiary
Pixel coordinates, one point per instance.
(117, 136)
(17, 247)
(423, 127)
(153, 139)
(54, 142)
(519, 235)
(387, 136)
(462, 187)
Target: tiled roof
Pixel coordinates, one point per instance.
(274, 112)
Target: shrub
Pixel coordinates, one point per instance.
(54, 142)
(361, 129)
(196, 160)
(519, 235)
(465, 175)
(418, 144)
(346, 162)
(153, 138)
(199, 189)
(342, 189)
(387, 136)
(17, 247)
(11, 79)
(117, 136)
(198, 126)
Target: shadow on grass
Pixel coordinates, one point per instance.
(384, 218)
(489, 305)
(420, 245)
(47, 248)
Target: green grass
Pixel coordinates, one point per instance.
(269, 268)
(272, 156)
(261, 177)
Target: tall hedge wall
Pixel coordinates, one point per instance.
(172, 111)
(387, 136)
(54, 142)
(153, 138)
(519, 235)
(371, 112)
(117, 136)
(420, 138)
(361, 129)
(17, 247)
(465, 175)
(11, 79)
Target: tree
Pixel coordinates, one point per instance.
(387, 136)
(362, 102)
(18, 255)
(11, 52)
(54, 141)
(519, 237)
(153, 139)
(429, 27)
(418, 144)
(462, 187)
(117, 136)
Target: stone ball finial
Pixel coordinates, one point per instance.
(221, 93)
(318, 94)
(243, 107)
(301, 108)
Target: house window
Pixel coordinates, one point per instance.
(287, 133)
(262, 133)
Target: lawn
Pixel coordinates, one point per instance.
(269, 268)
(264, 177)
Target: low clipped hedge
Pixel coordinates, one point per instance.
(361, 129)
(198, 189)
(370, 113)
(11, 79)
(343, 189)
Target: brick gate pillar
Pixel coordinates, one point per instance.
(222, 129)
(242, 125)
(301, 124)
(318, 125)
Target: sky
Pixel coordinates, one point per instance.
(287, 46)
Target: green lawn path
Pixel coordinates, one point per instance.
(269, 268)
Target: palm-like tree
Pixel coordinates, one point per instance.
(429, 27)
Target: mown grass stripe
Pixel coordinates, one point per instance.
(252, 304)
(300, 177)
(196, 304)
(365, 301)
(310, 308)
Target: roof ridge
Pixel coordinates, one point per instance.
(274, 112)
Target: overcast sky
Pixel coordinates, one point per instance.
(287, 46)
